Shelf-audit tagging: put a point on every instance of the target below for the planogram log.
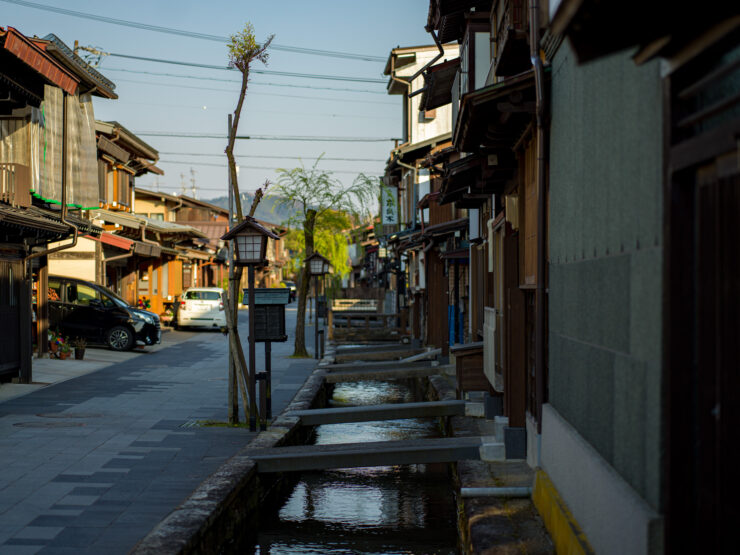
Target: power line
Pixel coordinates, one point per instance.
(258, 71)
(226, 109)
(222, 90)
(237, 82)
(185, 135)
(190, 34)
(191, 163)
(201, 154)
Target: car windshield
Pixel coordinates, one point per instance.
(202, 296)
(115, 298)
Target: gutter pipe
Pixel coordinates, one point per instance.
(534, 52)
(407, 84)
(428, 64)
(118, 257)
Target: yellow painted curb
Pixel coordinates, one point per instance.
(564, 531)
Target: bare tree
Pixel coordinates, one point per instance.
(318, 196)
(243, 50)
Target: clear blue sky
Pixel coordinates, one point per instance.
(152, 102)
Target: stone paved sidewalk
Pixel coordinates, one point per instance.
(92, 463)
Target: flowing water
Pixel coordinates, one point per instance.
(390, 509)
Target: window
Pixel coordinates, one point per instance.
(55, 290)
(110, 181)
(81, 294)
(102, 179)
(124, 187)
(202, 296)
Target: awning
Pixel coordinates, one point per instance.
(496, 115)
(33, 56)
(120, 218)
(147, 249)
(161, 226)
(445, 228)
(28, 221)
(598, 28)
(116, 241)
(438, 81)
(109, 147)
(412, 151)
(448, 16)
(459, 255)
(83, 226)
(193, 254)
(470, 181)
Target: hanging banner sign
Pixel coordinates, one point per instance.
(388, 206)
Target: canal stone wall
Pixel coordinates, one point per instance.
(222, 514)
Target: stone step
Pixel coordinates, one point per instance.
(352, 455)
(317, 417)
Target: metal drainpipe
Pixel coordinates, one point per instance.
(118, 257)
(64, 193)
(534, 51)
(408, 167)
(407, 84)
(428, 64)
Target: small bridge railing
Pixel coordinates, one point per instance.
(363, 326)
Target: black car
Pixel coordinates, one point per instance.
(79, 308)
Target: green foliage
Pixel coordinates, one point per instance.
(305, 188)
(243, 48)
(338, 209)
(330, 239)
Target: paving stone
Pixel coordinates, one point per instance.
(101, 486)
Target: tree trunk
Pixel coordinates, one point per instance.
(300, 329)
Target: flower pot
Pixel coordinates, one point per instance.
(79, 353)
(64, 354)
(53, 347)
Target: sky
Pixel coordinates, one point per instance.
(158, 98)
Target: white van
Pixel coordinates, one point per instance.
(202, 307)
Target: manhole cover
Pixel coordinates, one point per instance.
(48, 424)
(69, 415)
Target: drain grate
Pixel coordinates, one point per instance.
(48, 424)
(73, 415)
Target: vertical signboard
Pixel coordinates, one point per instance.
(388, 206)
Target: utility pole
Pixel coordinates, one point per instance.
(233, 411)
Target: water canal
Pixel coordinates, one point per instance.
(391, 509)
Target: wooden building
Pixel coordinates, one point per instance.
(595, 155)
(47, 180)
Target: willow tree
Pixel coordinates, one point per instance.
(244, 50)
(318, 197)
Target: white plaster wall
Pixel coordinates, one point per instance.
(441, 123)
(79, 268)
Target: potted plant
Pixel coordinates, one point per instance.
(166, 316)
(55, 341)
(65, 349)
(79, 344)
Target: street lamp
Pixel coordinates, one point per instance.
(250, 239)
(318, 266)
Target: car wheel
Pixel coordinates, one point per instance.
(120, 338)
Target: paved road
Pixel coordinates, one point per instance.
(91, 463)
